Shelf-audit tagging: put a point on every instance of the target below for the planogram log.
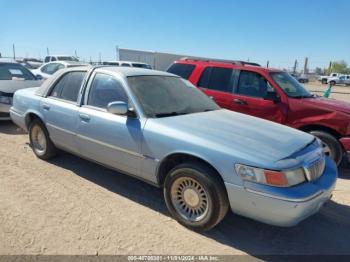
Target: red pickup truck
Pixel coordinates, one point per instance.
(273, 95)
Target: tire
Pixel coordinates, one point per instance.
(40, 141)
(196, 186)
(333, 83)
(332, 147)
(324, 81)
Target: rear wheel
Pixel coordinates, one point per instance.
(330, 144)
(40, 140)
(324, 81)
(332, 83)
(195, 196)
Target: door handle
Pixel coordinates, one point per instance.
(84, 117)
(46, 107)
(239, 101)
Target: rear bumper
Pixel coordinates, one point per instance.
(5, 112)
(18, 119)
(285, 206)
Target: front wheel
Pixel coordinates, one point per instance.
(195, 196)
(40, 140)
(330, 144)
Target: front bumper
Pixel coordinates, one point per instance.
(345, 141)
(5, 112)
(283, 206)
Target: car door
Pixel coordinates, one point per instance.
(254, 95)
(60, 110)
(217, 83)
(347, 80)
(113, 140)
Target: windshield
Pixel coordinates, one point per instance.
(162, 96)
(290, 85)
(9, 71)
(67, 58)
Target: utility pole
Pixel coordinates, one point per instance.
(117, 53)
(14, 51)
(330, 67)
(305, 65)
(100, 59)
(295, 66)
(267, 63)
(47, 51)
(75, 52)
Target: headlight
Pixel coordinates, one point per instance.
(5, 100)
(269, 177)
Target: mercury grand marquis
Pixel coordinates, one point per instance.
(161, 129)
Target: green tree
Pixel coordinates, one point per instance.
(339, 67)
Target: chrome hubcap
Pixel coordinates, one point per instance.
(38, 139)
(189, 199)
(327, 150)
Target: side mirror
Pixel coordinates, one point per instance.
(273, 96)
(117, 108)
(39, 77)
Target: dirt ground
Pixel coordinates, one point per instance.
(339, 92)
(72, 206)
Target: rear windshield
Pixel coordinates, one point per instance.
(141, 65)
(11, 71)
(183, 70)
(67, 58)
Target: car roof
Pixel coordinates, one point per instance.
(132, 71)
(8, 60)
(116, 70)
(228, 65)
(121, 61)
(75, 63)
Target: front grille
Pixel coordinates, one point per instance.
(315, 169)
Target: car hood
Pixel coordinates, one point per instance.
(328, 103)
(241, 135)
(11, 86)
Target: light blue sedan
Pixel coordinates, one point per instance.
(161, 129)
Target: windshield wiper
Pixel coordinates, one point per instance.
(169, 114)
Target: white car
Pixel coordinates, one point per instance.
(48, 69)
(13, 76)
(128, 64)
(52, 58)
(339, 80)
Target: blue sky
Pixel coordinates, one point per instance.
(278, 31)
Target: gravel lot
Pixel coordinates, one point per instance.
(339, 92)
(72, 206)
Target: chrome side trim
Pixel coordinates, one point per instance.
(298, 200)
(60, 129)
(111, 146)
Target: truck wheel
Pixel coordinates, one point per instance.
(324, 81)
(40, 140)
(331, 146)
(195, 196)
(332, 83)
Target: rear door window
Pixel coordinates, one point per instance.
(182, 70)
(67, 88)
(217, 78)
